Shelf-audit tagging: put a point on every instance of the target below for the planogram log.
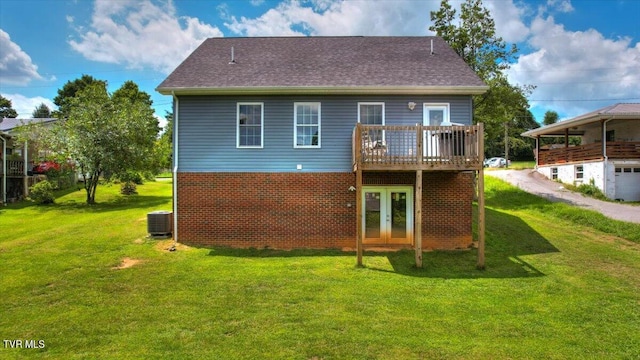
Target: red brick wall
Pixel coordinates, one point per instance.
(309, 210)
(276, 210)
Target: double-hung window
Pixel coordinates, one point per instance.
(372, 113)
(306, 127)
(250, 125)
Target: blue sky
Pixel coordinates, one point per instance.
(581, 55)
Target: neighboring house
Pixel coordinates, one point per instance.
(608, 157)
(17, 159)
(325, 142)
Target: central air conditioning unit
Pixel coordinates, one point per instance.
(160, 223)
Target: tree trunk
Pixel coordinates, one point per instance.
(90, 185)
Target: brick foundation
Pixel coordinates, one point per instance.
(309, 210)
(276, 210)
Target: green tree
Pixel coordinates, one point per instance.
(108, 133)
(164, 144)
(550, 117)
(522, 147)
(65, 95)
(6, 108)
(474, 40)
(41, 111)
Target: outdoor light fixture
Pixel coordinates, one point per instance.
(411, 105)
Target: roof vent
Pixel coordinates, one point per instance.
(233, 58)
(431, 46)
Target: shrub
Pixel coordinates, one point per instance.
(128, 188)
(131, 176)
(42, 192)
(590, 190)
(149, 176)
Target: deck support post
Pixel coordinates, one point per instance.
(358, 165)
(481, 214)
(418, 218)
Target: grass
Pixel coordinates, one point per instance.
(560, 283)
(521, 165)
(516, 165)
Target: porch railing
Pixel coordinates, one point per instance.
(14, 168)
(615, 150)
(400, 147)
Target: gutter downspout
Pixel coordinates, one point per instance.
(604, 152)
(176, 112)
(25, 166)
(4, 170)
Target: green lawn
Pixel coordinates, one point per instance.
(516, 165)
(560, 283)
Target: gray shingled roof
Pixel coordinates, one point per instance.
(330, 64)
(628, 111)
(8, 124)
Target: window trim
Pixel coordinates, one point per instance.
(373, 103)
(295, 125)
(238, 146)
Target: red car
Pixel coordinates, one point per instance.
(45, 166)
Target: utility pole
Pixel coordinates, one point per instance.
(506, 144)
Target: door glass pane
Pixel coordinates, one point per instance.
(398, 214)
(372, 215)
(436, 117)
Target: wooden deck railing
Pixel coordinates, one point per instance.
(14, 168)
(396, 147)
(615, 150)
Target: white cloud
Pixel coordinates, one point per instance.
(360, 17)
(508, 20)
(561, 5)
(577, 65)
(325, 18)
(141, 34)
(24, 106)
(16, 66)
(257, 2)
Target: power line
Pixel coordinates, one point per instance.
(578, 100)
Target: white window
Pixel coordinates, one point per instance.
(306, 127)
(250, 129)
(579, 172)
(372, 113)
(554, 173)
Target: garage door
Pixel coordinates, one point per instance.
(628, 183)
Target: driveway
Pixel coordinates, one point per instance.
(537, 184)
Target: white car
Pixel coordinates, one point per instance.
(495, 162)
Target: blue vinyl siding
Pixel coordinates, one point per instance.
(207, 131)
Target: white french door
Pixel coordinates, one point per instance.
(433, 115)
(388, 214)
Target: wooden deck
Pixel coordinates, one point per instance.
(406, 148)
(615, 150)
(418, 148)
